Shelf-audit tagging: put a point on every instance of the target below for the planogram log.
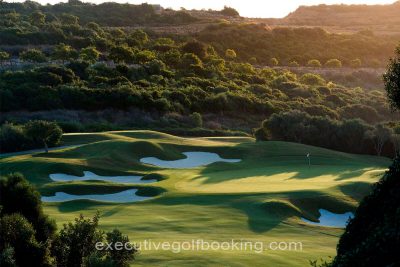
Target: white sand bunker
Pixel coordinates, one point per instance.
(331, 219)
(121, 197)
(193, 159)
(61, 177)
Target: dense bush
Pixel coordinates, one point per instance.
(29, 238)
(354, 136)
(299, 45)
(333, 63)
(34, 134)
(372, 237)
(96, 68)
(24, 229)
(392, 80)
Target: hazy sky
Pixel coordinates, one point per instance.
(248, 8)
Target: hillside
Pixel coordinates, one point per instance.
(377, 18)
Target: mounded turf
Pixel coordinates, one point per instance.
(259, 199)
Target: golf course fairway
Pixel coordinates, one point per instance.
(260, 198)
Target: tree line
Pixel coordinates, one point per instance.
(352, 136)
(289, 46)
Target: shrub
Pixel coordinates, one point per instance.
(229, 11)
(43, 133)
(355, 63)
(18, 196)
(297, 126)
(312, 79)
(196, 119)
(392, 81)
(33, 55)
(18, 234)
(273, 62)
(366, 113)
(13, 138)
(230, 54)
(333, 63)
(260, 134)
(314, 63)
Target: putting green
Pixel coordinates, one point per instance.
(262, 198)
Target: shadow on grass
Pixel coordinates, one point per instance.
(293, 169)
(79, 205)
(267, 211)
(356, 190)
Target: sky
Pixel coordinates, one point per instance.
(246, 8)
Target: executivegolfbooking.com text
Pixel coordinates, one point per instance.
(204, 245)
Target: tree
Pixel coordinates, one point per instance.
(33, 55)
(355, 63)
(172, 57)
(138, 38)
(392, 80)
(37, 18)
(13, 138)
(196, 119)
(82, 242)
(380, 135)
(25, 232)
(260, 134)
(312, 79)
(253, 60)
(366, 113)
(68, 19)
(195, 47)
(7, 256)
(230, 54)
(18, 196)
(3, 57)
(18, 234)
(47, 133)
(314, 63)
(229, 11)
(121, 257)
(144, 56)
(190, 60)
(396, 143)
(28, 238)
(273, 62)
(90, 54)
(76, 241)
(372, 238)
(64, 53)
(333, 63)
(121, 54)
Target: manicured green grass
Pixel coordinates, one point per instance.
(259, 199)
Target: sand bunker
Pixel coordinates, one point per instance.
(331, 219)
(121, 197)
(61, 177)
(193, 159)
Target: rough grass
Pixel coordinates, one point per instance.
(259, 199)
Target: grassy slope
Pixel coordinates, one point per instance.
(258, 199)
